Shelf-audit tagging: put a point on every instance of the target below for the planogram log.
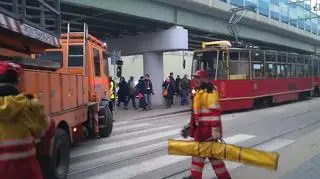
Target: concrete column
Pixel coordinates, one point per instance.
(153, 65)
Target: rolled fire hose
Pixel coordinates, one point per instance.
(223, 151)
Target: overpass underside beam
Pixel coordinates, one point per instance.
(210, 19)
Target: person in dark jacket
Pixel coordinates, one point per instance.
(184, 88)
(123, 93)
(173, 84)
(132, 92)
(169, 88)
(148, 91)
(140, 87)
(177, 89)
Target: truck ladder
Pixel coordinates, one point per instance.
(84, 45)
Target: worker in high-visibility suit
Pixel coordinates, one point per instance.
(22, 121)
(205, 124)
(112, 91)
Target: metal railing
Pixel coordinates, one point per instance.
(41, 14)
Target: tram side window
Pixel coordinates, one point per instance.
(271, 70)
(239, 68)
(206, 61)
(244, 56)
(271, 57)
(282, 57)
(282, 65)
(281, 70)
(308, 65)
(257, 70)
(234, 56)
(300, 66)
(315, 66)
(257, 56)
(292, 65)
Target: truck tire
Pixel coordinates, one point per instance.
(105, 123)
(90, 124)
(61, 154)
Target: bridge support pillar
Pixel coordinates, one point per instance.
(153, 65)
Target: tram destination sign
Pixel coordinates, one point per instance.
(38, 34)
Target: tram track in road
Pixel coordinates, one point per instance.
(161, 149)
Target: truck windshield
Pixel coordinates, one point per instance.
(54, 56)
(206, 60)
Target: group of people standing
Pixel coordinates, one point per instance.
(176, 87)
(129, 91)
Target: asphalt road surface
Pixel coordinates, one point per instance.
(138, 149)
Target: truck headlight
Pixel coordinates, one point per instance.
(193, 91)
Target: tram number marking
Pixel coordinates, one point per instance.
(255, 86)
(292, 86)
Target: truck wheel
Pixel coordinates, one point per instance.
(61, 154)
(90, 124)
(106, 123)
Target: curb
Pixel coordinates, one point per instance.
(164, 114)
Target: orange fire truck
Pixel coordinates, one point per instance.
(68, 76)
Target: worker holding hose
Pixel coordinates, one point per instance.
(205, 125)
(22, 121)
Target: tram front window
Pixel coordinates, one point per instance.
(206, 60)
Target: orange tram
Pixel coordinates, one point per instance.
(246, 78)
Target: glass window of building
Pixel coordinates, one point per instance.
(284, 13)
(264, 7)
(275, 9)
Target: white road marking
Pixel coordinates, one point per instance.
(120, 123)
(116, 156)
(158, 162)
(124, 143)
(133, 126)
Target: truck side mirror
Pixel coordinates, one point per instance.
(184, 64)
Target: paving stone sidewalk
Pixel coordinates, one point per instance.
(308, 170)
(136, 114)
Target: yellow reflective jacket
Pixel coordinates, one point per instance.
(111, 90)
(206, 113)
(21, 121)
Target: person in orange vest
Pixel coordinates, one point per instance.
(205, 124)
(22, 121)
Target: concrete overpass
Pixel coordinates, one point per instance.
(205, 20)
(127, 24)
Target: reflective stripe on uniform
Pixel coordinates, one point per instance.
(214, 106)
(196, 111)
(204, 111)
(6, 143)
(220, 170)
(209, 118)
(18, 155)
(196, 168)
(198, 159)
(215, 162)
(16, 146)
